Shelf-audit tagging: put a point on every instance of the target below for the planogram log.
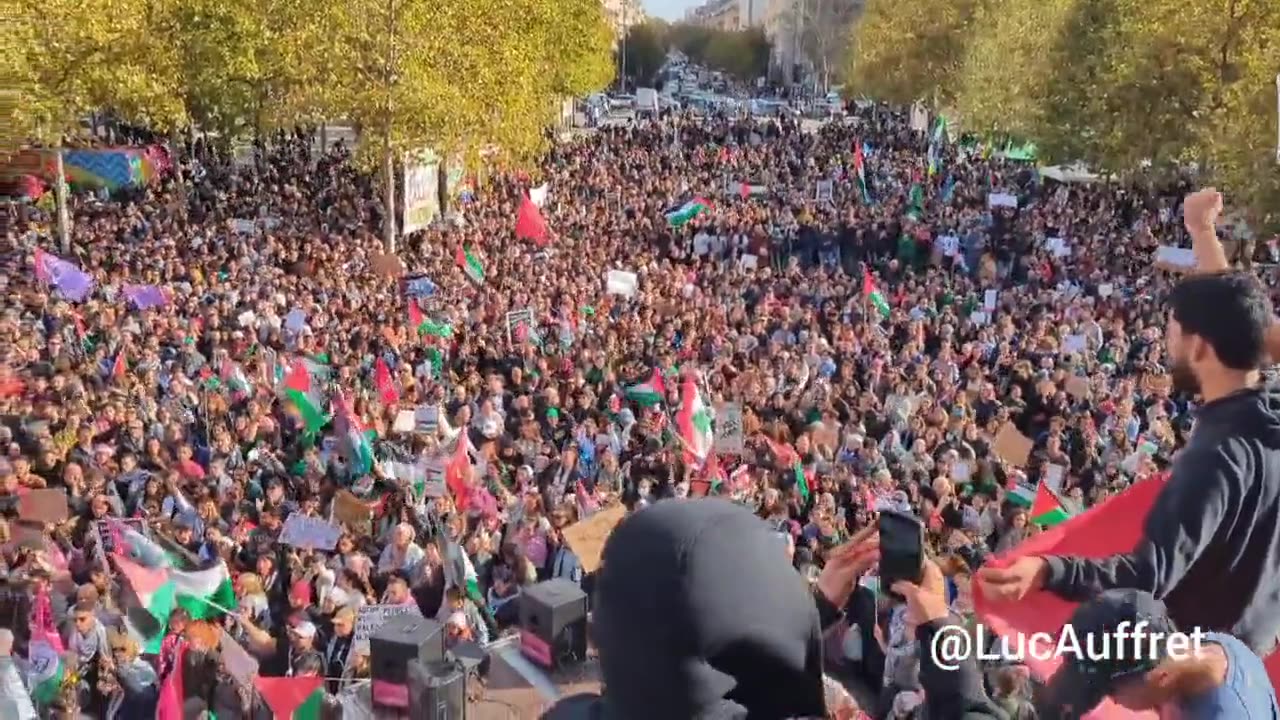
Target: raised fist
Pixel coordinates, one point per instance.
(1201, 208)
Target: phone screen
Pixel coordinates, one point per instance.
(901, 548)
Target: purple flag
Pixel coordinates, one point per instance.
(71, 281)
(145, 296)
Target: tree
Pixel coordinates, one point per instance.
(822, 29)
(69, 58)
(248, 66)
(743, 54)
(462, 76)
(907, 51)
(644, 51)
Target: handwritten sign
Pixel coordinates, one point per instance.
(587, 537)
(302, 531)
(729, 438)
(1012, 446)
(372, 617)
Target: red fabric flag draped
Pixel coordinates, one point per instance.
(457, 472)
(298, 378)
(529, 223)
(284, 694)
(172, 694)
(415, 317)
(1105, 530)
(386, 386)
(119, 368)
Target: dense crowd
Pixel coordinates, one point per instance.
(867, 325)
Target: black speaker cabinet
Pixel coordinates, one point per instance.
(401, 639)
(437, 691)
(553, 621)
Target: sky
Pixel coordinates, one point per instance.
(669, 9)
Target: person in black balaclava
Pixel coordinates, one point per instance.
(698, 614)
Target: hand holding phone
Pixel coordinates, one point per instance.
(901, 549)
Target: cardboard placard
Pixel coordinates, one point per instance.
(1078, 387)
(46, 505)
(1012, 446)
(351, 511)
(1157, 383)
(309, 532)
(387, 265)
(587, 537)
(621, 282)
(26, 534)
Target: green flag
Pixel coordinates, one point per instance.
(312, 418)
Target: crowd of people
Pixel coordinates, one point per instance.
(868, 311)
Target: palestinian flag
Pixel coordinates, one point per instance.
(198, 592)
(157, 596)
(694, 421)
(173, 691)
(298, 698)
(802, 481)
(688, 211)
(384, 383)
(648, 393)
(457, 472)
(873, 294)
(1024, 496)
(430, 327)
(233, 377)
(916, 200)
(352, 435)
(313, 418)
(860, 172)
(134, 546)
(1046, 510)
(470, 265)
(47, 673)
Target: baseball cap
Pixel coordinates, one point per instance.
(1084, 682)
(304, 629)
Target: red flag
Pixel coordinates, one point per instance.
(529, 223)
(1102, 531)
(744, 190)
(298, 378)
(458, 471)
(172, 695)
(119, 368)
(415, 316)
(386, 387)
(285, 694)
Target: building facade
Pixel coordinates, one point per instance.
(623, 14)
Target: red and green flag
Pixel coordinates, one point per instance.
(1047, 510)
(296, 698)
(470, 265)
(860, 172)
(873, 295)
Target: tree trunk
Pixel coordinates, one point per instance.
(60, 193)
(389, 199)
(324, 138)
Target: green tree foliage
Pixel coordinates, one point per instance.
(68, 58)
(644, 51)
(249, 65)
(906, 50)
(1118, 84)
(741, 53)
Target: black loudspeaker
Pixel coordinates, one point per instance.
(400, 640)
(437, 691)
(553, 622)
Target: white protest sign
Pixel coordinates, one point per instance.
(372, 617)
(989, 300)
(426, 419)
(729, 437)
(621, 282)
(1175, 259)
(1075, 343)
(1053, 475)
(302, 531)
(825, 191)
(1105, 290)
(1002, 200)
(539, 194)
(749, 261)
(403, 422)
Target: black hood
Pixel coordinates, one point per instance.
(698, 613)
